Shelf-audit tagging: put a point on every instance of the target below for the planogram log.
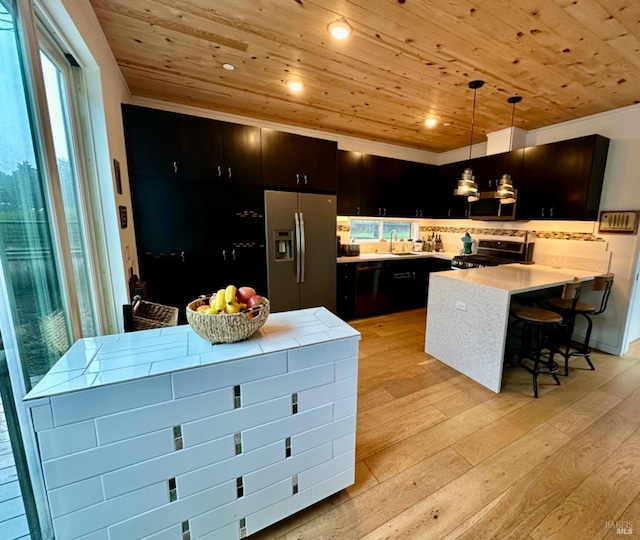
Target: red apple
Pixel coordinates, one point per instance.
(256, 300)
(244, 293)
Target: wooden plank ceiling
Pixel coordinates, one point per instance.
(405, 61)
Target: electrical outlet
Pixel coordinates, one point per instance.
(461, 306)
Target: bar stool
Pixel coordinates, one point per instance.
(539, 332)
(570, 311)
(542, 329)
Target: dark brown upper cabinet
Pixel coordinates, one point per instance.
(379, 186)
(563, 180)
(161, 143)
(350, 184)
(295, 162)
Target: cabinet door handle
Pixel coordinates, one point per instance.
(551, 212)
(297, 178)
(357, 210)
(305, 179)
(384, 211)
(233, 254)
(416, 213)
(379, 211)
(182, 256)
(175, 167)
(224, 254)
(542, 212)
(449, 213)
(466, 213)
(489, 183)
(219, 171)
(420, 212)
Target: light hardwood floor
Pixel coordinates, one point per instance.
(439, 456)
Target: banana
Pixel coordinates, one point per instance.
(230, 294)
(232, 307)
(219, 301)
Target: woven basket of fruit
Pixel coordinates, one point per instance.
(224, 318)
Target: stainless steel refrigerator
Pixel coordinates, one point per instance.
(301, 250)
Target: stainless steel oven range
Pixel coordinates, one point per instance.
(494, 253)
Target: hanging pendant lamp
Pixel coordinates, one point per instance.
(467, 186)
(505, 191)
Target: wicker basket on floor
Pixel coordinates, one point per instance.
(147, 315)
(226, 327)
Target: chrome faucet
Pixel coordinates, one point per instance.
(393, 231)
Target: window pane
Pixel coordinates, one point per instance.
(362, 229)
(61, 129)
(403, 228)
(26, 247)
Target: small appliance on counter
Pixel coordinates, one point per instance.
(351, 250)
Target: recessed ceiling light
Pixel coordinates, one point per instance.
(339, 29)
(296, 86)
(431, 122)
(228, 67)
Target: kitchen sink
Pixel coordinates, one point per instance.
(405, 253)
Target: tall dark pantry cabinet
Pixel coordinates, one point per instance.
(198, 206)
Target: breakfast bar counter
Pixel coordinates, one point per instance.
(468, 314)
(158, 432)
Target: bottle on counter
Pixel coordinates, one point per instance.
(438, 243)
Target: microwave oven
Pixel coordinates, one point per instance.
(489, 208)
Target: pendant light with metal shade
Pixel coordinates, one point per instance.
(505, 191)
(466, 185)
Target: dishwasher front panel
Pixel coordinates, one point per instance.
(373, 289)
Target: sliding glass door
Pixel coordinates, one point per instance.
(46, 277)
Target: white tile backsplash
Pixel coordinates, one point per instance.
(313, 437)
(149, 471)
(75, 496)
(305, 357)
(230, 469)
(68, 439)
(113, 457)
(86, 404)
(286, 468)
(235, 420)
(296, 381)
(176, 512)
(163, 415)
(287, 427)
(207, 378)
(100, 515)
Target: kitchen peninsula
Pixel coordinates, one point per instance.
(468, 314)
(154, 433)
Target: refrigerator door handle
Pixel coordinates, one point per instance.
(297, 243)
(302, 248)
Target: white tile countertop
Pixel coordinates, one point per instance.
(103, 360)
(518, 278)
(371, 257)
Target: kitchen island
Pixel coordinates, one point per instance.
(154, 433)
(468, 314)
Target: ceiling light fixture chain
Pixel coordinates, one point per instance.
(467, 186)
(505, 191)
